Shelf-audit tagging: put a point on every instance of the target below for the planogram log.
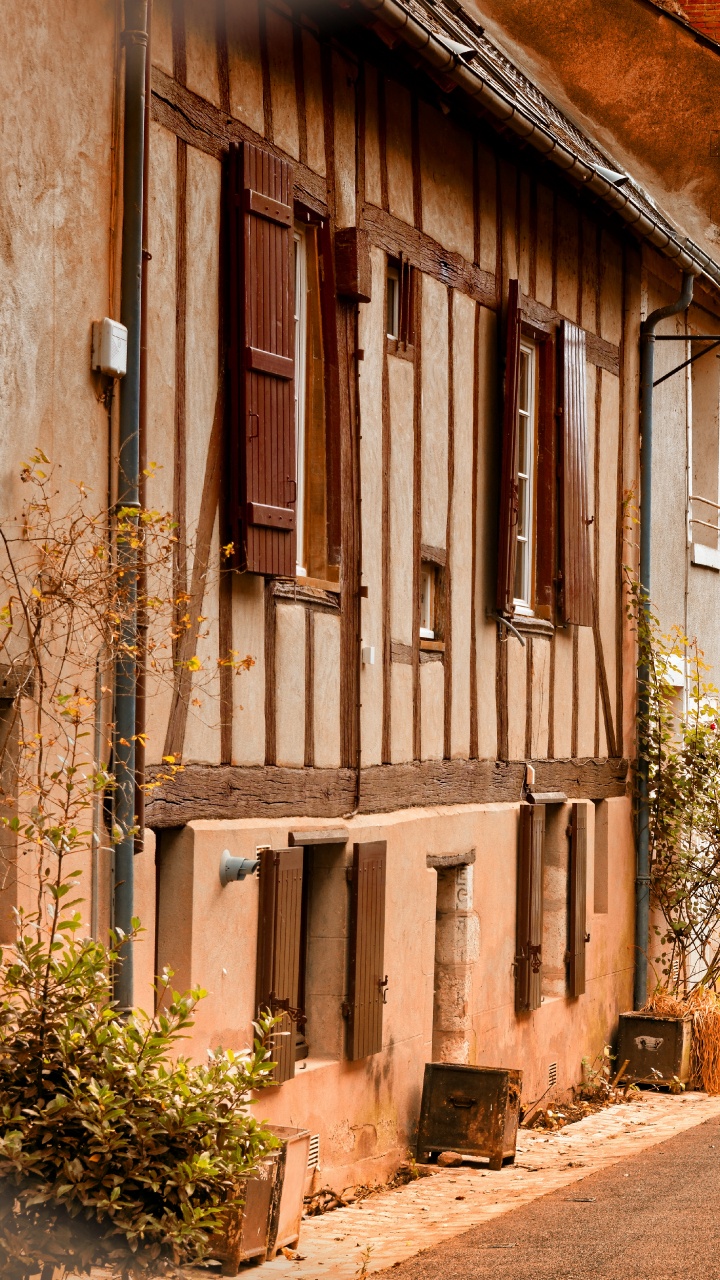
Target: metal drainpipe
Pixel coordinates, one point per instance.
(647, 375)
(141, 692)
(135, 41)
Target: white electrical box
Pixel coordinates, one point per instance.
(109, 347)
(367, 654)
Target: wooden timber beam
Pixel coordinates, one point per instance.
(201, 124)
(226, 792)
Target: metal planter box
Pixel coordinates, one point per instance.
(656, 1049)
(471, 1110)
(247, 1221)
(287, 1204)
(268, 1212)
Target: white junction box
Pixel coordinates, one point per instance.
(368, 655)
(109, 347)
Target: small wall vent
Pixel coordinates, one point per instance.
(552, 1074)
(314, 1152)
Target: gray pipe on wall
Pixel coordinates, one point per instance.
(135, 41)
(647, 377)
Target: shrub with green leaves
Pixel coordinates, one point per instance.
(114, 1149)
(679, 737)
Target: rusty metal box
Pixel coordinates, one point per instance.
(471, 1110)
(287, 1206)
(656, 1049)
(247, 1221)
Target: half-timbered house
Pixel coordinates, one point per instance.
(392, 304)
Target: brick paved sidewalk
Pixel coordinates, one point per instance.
(399, 1224)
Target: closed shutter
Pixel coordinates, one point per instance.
(576, 594)
(528, 958)
(578, 882)
(507, 536)
(367, 950)
(278, 953)
(262, 487)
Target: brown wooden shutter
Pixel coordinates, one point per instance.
(368, 981)
(578, 882)
(507, 539)
(278, 952)
(528, 958)
(262, 487)
(576, 594)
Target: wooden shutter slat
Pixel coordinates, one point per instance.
(271, 517)
(278, 955)
(367, 949)
(261, 423)
(578, 894)
(577, 592)
(268, 362)
(529, 919)
(264, 207)
(507, 540)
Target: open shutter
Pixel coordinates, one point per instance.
(278, 954)
(262, 487)
(576, 595)
(507, 539)
(368, 981)
(578, 882)
(528, 957)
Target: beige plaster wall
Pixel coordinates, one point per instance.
(57, 66)
(290, 684)
(446, 174)
(372, 340)
(461, 523)
(400, 377)
(434, 429)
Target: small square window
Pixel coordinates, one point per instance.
(392, 323)
(399, 304)
(428, 600)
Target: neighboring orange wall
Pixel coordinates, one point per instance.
(703, 14)
(638, 80)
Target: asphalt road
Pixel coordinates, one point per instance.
(655, 1216)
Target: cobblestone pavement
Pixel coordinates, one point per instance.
(388, 1229)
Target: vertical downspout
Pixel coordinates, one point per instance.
(642, 881)
(135, 40)
(140, 708)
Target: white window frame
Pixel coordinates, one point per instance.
(301, 318)
(527, 427)
(427, 601)
(393, 278)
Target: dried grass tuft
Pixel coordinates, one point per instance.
(704, 1009)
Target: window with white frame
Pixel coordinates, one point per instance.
(427, 601)
(300, 249)
(527, 447)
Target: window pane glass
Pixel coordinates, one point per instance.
(524, 388)
(522, 507)
(526, 443)
(392, 286)
(519, 589)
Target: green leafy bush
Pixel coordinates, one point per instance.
(114, 1150)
